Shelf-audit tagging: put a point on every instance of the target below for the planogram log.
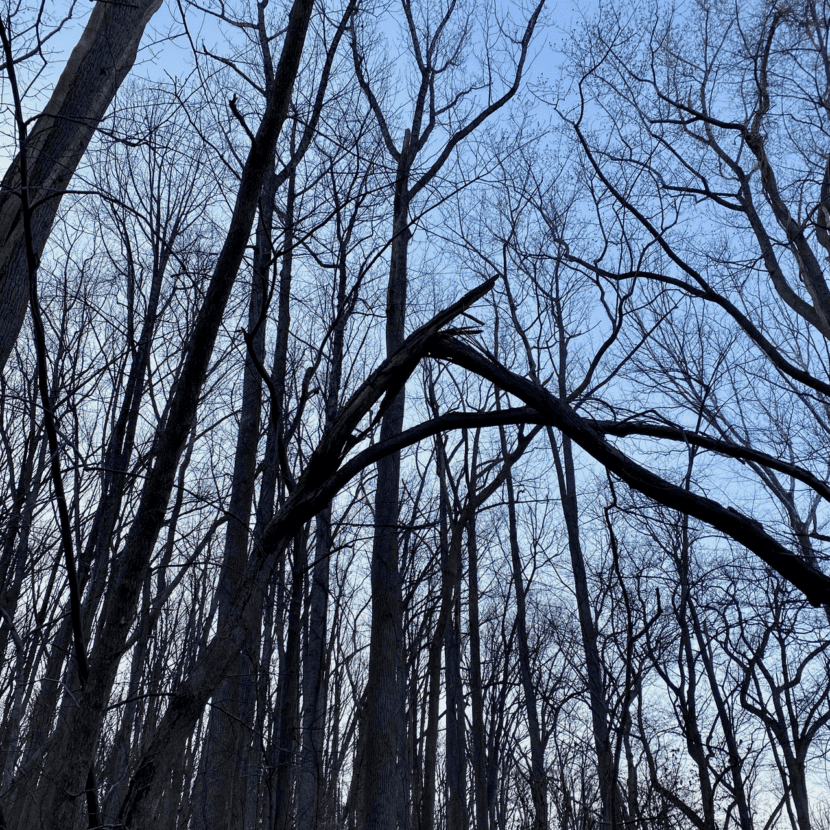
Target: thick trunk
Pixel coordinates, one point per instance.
(799, 792)
(98, 64)
(384, 692)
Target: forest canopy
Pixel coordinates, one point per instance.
(415, 415)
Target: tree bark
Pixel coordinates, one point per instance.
(477, 732)
(95, 70)
(314, 667)
(385, 690)
(606, 771)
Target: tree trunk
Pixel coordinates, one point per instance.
(384, 690)
(538, 776)
(477, 732)
(286, 730)
(221, 789)
(606, 772)
(56, 143)
(315, 669)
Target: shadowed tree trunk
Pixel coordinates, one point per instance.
(221, 788)
(385, 690)
(538, 776)
(385, 771)
(98, 64)
(606, 771)
(311, 782)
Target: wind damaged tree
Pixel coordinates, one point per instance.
(326, 473)
(57, 140)
(446, 106)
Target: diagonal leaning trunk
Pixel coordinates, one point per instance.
(95, 70)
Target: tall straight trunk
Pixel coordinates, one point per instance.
(385, 690)
(606, 771)
(457, 814)
(456, 772)
(687, 691)
(314, 666)
(56, 143)
(415, 757)
(705, 656)
(483, 770)
(385, 765)
(566, 475)
(496, 738)
(354, 813)
(449, 578)
(538, 777)
(286, 729)
(726, 721)
(565, 472)
(221, 784)
(430, 754)
(310, 772)
(477, 731)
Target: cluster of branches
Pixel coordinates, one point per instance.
(374, 457)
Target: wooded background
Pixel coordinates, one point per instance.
(415, 415)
